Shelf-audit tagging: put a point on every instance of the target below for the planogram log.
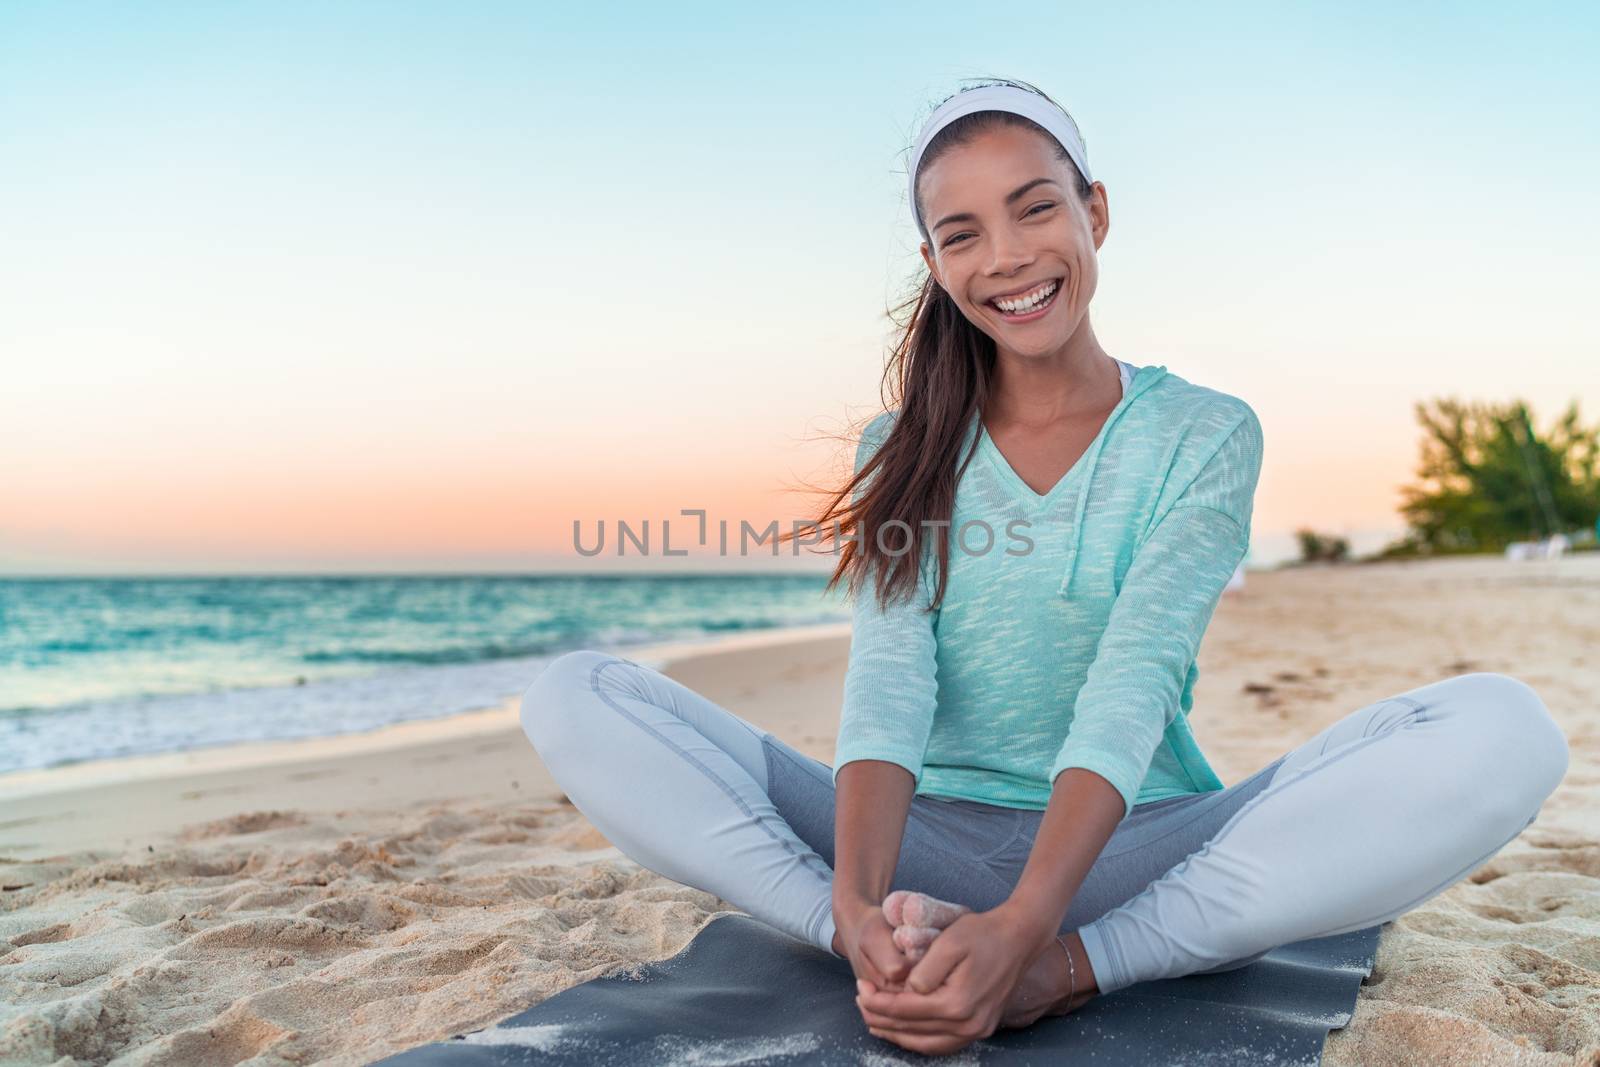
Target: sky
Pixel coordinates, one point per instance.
(296, 287)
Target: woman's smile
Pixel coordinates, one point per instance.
(1036, 307)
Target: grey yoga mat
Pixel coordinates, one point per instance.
(744, 993)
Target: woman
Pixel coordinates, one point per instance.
(1018, 817)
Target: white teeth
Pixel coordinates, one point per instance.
(1028, 304)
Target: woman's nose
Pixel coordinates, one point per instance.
(1008, 256)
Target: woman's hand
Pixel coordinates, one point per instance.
(957, 992)
(868, 941)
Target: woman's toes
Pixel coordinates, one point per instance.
(920, 909)
(917, 919)
(914, 940)
(894, 905)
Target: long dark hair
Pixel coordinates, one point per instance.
(938, 375)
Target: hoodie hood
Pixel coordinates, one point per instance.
(1143, 379)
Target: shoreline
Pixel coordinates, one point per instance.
(38, 781)
(111, 804)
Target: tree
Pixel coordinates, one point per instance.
(1487, 478)
(1316, 548)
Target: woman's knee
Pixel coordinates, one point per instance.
(554, 697)
(1523, 745)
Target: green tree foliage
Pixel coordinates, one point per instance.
(1321, 548)
(1487, 478)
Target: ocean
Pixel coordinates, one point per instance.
(96, 668)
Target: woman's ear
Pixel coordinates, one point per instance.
(933, 267)
(1100, 213)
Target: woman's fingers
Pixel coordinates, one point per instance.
(873, 957)
(878, 945)
(936, 967)
(909, 1026)
(910, 1006)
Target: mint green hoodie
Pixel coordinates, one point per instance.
(1071, 641)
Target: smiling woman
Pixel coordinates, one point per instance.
(999, 331)
(1017, 817)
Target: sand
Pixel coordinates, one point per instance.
(340, 900)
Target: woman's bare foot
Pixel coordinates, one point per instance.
(917, 919)
(1043, 989)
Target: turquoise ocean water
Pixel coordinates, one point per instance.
(93, 668)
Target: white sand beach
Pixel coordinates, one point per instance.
(340, 900)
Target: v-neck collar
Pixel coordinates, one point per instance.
(1019, 488)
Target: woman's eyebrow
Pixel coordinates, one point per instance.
(1012, 197)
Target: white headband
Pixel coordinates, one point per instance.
(1000, 98)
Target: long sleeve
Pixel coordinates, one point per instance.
(1132, 689)
(890, 685)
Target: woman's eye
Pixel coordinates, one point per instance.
(1037, 207)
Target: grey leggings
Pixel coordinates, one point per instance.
(1385, 808)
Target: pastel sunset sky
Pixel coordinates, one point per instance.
(380, 286)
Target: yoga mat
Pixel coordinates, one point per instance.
(744, 993)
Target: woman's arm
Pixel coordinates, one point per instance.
(890, 684)
(1083, 811)
(1133, 686)
(884, 726)
(872, 799)
(890, 691)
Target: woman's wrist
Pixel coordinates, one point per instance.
(1031, 924)
(853, 903)
(848, 912)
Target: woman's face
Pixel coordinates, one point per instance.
(1004, 220)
